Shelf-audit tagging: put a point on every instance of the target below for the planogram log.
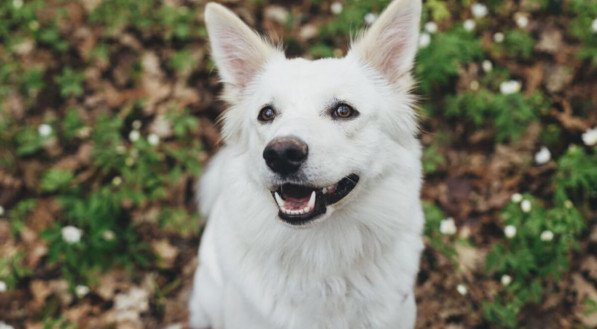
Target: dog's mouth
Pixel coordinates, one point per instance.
(300, 204)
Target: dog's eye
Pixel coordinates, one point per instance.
(266, 114)
(344, 111)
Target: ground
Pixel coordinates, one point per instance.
(108, 113)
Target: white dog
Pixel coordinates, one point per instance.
(315, 218)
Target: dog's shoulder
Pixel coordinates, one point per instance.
(210, 185)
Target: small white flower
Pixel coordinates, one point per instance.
(3, 286)
(568, 204)
(479, 10)
(521, 20)
(510, 231)
(526, 206)
(498, 37)
(116, 181)
(44, 130)
(447, 226)
(1, 210)
(474, 85)
(487, 66)
(546, 236)
(81, 291)
(4, 325)
(370, 18)
(134, 135)
(543, 156)
(71, 234)
(516, 197)
(120, 149)
(424, 40)
(431, 27)
(469, 25)
(506, 280)
(461, 288)
(17, 3)
(594, 26)
(136, 125)
(510, 87)
(153, 139)
(336, 8)
(108, 235)
(129, 161)
(589, 137)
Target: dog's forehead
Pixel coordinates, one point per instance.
(319, 78)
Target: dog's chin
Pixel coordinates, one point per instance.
(300, 205)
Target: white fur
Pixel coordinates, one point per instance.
(356, 266)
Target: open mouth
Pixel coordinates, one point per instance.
(301, 204)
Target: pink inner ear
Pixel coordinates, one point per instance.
(392, 48)
(236, 57)
(396, 47)
(238, 51)
(390, 45)
(239, 54)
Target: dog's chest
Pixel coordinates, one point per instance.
(357, 298)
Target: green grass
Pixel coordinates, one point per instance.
(122, 171)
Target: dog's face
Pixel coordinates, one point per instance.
(315, 131)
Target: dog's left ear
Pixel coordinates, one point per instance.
(238, 51)
(390, 45)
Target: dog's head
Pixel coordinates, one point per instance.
(315, 131)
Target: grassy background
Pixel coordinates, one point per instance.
(108, 112)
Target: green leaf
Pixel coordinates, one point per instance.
(56, 179)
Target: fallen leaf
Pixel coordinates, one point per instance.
(165, 252)
(470, 259)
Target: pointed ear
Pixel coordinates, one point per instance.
(238, 51)
(390, 45)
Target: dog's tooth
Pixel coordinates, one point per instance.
(279, 200)
(311, 203)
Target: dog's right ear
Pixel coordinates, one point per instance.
(390, 44)
(238, 51)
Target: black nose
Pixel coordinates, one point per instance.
(285, 155)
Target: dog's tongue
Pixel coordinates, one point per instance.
(295, 196)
